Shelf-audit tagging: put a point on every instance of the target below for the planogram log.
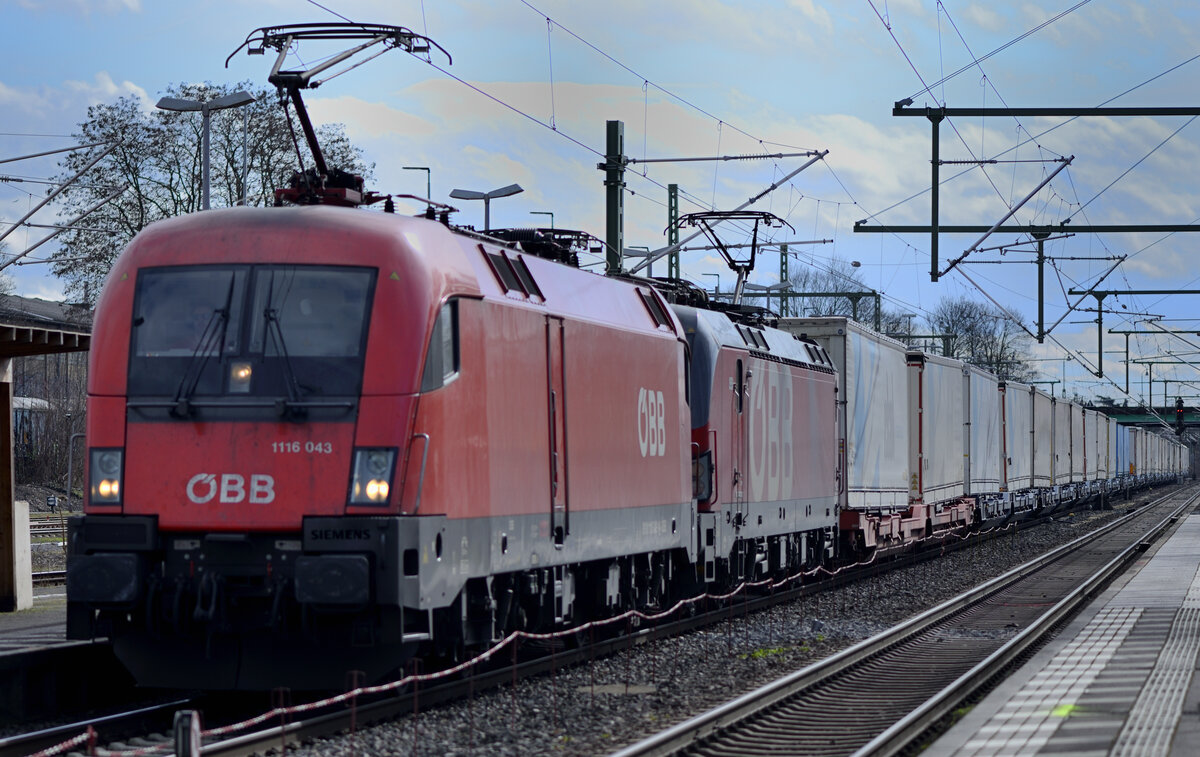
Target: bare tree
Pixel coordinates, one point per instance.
(840, 290)
(158, 160)
(7, 285)
(984, 335)
(52, 407)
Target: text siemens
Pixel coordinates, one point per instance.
(339, 534)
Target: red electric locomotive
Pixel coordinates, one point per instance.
(335, 430)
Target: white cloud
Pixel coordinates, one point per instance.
(23, 100)
(82, 6)
(984, 17)
(815, 15)
(102, 89)
(367, 120)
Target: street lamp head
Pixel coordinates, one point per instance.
(471, 194)
(487, 197)
(767, 287)
(511, 189)
(232, 100)
(176, 104)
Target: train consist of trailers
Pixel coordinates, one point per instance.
(390, 437)
(928, 443)
(323, 438)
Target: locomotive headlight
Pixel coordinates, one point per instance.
(105, 476)
(239, 378)
(370, 481)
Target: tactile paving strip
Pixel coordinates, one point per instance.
(1122, 681)
(1025, 723)
(1151, 723)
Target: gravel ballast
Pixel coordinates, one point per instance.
(631, 695)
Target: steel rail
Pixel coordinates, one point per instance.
(364, 712)
(905, 731)
(741, 709)
(28, 743)
(49, 577)
(369, 711)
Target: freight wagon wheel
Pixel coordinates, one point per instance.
(857, 547)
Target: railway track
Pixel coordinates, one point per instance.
(880, 696)
(535, 657)
(49, 577)
(47, 529)
(155, 720)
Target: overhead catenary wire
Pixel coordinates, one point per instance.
(646, 83)
(1080, 206)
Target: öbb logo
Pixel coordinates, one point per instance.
(230, 488)
(652, 432)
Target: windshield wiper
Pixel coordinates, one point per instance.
(210, 341)
(271, 316)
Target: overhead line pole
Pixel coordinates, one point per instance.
(901, 110)
(53, 152)
(1058, 228)
(656, 254)
(1100, 295)
(16, 258)
(937, 115)
(1128, 333)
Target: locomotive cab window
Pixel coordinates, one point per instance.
(441, 361)
(277, 331)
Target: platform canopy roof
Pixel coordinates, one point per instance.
(31, 326)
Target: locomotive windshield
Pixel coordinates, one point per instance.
(268, 331)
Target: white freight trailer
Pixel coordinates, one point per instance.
(1062, 442)
(936, 419)
(872, 410)
(1017, 460)
(1043, 439)
(984, 435)
(1078, 446)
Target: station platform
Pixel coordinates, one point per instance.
(1119, 679)
(42, 625)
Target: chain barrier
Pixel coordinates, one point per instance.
(630, 617)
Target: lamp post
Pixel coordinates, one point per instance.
(428, 180)
(233, 100)
(717, 276)
(544, 213)
(471, 194)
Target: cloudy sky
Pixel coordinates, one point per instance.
(533, 82)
